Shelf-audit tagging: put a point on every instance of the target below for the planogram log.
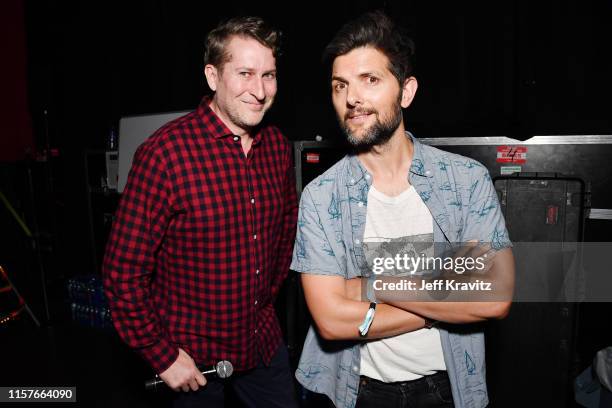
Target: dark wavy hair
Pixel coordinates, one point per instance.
(215, 52)
(374, 29)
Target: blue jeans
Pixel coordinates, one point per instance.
(263, 386)
(426, 392)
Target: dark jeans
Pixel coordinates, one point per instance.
(263, 386)
(429, 391)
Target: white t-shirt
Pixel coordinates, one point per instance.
(415, 354)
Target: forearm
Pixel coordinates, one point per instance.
(463, 306)
(133, 317)
(455, 307)
(341, 321)
(127, 275)
(456, 312)
(392, 321)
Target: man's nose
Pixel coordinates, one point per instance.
(353, 96)
(257, 89)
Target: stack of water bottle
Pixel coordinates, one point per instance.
(88, 303)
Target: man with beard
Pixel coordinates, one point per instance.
(203, 235)
(390, 188)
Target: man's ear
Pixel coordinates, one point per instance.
(211, 73)
(408, 91)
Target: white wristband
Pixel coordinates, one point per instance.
(367, 320)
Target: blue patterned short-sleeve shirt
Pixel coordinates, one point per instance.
(462, 200)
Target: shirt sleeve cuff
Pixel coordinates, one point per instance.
(160, 355)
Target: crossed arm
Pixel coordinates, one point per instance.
(449, 311)
(337, 312)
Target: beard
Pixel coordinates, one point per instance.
(378, 133)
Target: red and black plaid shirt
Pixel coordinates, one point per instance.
(201, 244)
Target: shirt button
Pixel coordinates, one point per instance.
(257, 272)
(428, 173)
(255, 331)
(252, 201)
(360, 204)
(355, 369)
(357, 241)
(236, 138)
(352, 181)
(367, 176)
(255, 236)
(256, 303)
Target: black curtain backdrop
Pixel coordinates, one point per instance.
(505, 68)
(485, 68)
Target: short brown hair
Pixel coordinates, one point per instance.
(374, 29)
(252, 27)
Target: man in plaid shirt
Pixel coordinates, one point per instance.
(204, 232)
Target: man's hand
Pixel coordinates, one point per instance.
(482, 255)
(183, 374)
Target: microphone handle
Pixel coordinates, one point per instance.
(151, 385)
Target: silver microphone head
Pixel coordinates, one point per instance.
(224, 369)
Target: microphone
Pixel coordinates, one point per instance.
(223, 369)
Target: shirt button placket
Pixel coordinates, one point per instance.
(255, 302)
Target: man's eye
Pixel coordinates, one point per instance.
(245, 74)
(270, 76)
(339, 86)
(372, 80)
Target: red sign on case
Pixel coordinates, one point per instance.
(512, 154)
(312, 157)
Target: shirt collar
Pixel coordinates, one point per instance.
(215, 126)
(418, 166)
